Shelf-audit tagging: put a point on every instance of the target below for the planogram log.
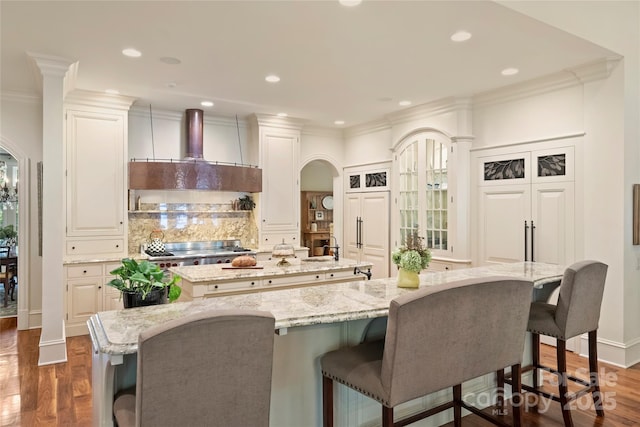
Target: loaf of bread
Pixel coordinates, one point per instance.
(243, 261)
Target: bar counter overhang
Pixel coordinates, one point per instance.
(310, 321)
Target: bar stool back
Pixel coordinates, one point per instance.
(212, 368)
(576, 312)
(437, 337)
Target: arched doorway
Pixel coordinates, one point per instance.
(16, 214)
(320, 175)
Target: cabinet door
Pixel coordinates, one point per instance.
(552, 215)
(84, 299)
(95, 144)
(280, 205)
(502, 213)
(366, 225)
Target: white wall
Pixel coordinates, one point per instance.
(21, 127)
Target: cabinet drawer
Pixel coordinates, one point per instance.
(303, 279)
(87, 247)
(233, 286)
(346, 274)
(84, 270)
(271, 239)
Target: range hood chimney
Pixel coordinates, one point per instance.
(193, 172)
(195, 124)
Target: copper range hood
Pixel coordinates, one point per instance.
(193, 172)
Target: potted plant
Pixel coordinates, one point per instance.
(411, 258)
(9, 235)
(246, 203)
(144, 283)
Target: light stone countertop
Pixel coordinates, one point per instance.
(116, 332)
(223, 272)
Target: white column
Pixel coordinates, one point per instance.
(52, 339)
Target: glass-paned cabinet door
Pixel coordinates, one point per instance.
(408, 197)
(423, 198)
(436, 194)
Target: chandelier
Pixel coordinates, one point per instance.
(8, 195)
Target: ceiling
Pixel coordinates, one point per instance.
(336, 63)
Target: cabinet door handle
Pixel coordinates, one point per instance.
(533, 229)
(526, 239)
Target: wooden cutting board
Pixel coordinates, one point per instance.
(253, 267)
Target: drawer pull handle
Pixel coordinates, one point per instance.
(73, 247)
(216, 286)
(253, 283)
(317, 277)
(331, 275)
(269, 281)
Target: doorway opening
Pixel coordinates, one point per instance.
(9, 229)
(319, 220)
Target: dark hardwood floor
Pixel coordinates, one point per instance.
(60, 395)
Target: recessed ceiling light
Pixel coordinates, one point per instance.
(172, 84)
(461, 36)
(112, 91)
(282, 114)
(338, 122)
(170, 60)
(131, 52)
(272, 78)
(404, 103)
(350, 3)
(206, 104)
(509, 71)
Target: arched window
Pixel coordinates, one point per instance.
(423, 200)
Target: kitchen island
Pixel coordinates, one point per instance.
(310, 321)
(214, 280)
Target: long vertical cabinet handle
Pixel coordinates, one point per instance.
(360, 232)
(357, 232)
(526, 240)
(533, 229)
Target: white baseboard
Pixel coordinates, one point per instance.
(619, 354)
(53, 351)
(35, 319)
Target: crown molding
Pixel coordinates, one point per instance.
(441, 106)
(99, 99)
(367, 128)
(277, 122)
(24, 97)
(323, 131)
(566, 78)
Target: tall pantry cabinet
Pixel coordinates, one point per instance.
(96, 128)
(278, 205)
(526, 205)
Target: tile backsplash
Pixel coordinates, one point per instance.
(182, 222)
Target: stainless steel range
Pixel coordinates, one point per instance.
(179, 254)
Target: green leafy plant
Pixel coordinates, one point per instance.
(8, 232)
(413, 255)
(246, 203)
(143, 277)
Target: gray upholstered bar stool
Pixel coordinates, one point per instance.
(212, 368)
(437, 337)
(576, 312)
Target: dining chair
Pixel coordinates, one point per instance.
(576, 312)
(7, 273)
(437, 337)
(212, 368)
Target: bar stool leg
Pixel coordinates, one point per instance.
(516, 394)
(500, 387)
(327, 402)
(535, 357)
(387, 416)
(457, 405)
(561, 347)
(593, 369)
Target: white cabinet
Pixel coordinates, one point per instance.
(366, 230)
(88, 293)
(526, 206)
(278, 207)
(96, 171)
